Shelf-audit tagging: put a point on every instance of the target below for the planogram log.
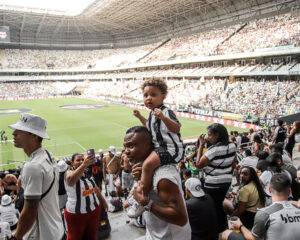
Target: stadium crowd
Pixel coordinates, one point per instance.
(260, 97)
(223, 181)
(252, 36)
(256, 157)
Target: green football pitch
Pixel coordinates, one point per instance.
(77, 130)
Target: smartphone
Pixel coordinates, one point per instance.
(92, 152)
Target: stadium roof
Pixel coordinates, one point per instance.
(124, 23)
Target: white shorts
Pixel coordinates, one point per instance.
(127, 180)
(111, 182)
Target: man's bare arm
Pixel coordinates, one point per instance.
(27, 217)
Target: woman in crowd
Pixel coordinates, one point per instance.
(217, 163)
(84, 198)
(275, 165)
(258, 144)
(249, 198)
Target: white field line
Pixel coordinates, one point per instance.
(80, 146)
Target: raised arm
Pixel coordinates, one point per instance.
(201, 160)
(75, 175)
(142, 119)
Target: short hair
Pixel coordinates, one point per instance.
(247, 152)
(257, 139)
(187, 172)
(281, 183)
(158, 83)
(235, 132)
(272, 161)
(262, 154)
(217, 128)
(278, 147)
(75, 155)
(140, 130)
(280, 122)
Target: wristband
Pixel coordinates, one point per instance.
(240, 228)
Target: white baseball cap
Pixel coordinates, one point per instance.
(100, 151)
(112, 149)
(31, 123)
(194, 186)
(5, 200)
(62, 166)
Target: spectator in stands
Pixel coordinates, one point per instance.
(278, 148)
(166, 215)
(186, 174)
(279, 133)
(9, 183)
(258, 144)
(245, 140)
(217, 163)
(127, 179)
(262, 164)
(293, 145)
(62, 194)
(165, 130)
(83, 206)
(111, 172)
(250, 197)
(8, 212)
(201, 211)
(5, 232)
(40, 216)
(191, 159)
(275, 165)
(277, 221)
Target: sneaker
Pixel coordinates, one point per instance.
(135, 209)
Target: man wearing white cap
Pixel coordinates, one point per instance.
(40, 217)
(111, 171)
(201, 211)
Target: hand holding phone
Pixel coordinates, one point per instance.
(91, 152)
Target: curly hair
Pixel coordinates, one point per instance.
(158, 83)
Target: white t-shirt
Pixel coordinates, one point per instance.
(250, 161)
(8, 214)
(37, 176)
(156, 228)
(4, 230)
(266, 179)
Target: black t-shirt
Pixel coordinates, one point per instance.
(203, 218)
(280, 134)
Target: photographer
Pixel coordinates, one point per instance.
(84, 198)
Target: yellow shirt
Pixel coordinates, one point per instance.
(249, 194)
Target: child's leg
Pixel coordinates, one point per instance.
(150, 164)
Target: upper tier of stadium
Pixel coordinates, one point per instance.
(120, 23)
(250, 37)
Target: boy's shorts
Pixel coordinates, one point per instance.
(164, 156)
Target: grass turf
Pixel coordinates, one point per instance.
(77, 130)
